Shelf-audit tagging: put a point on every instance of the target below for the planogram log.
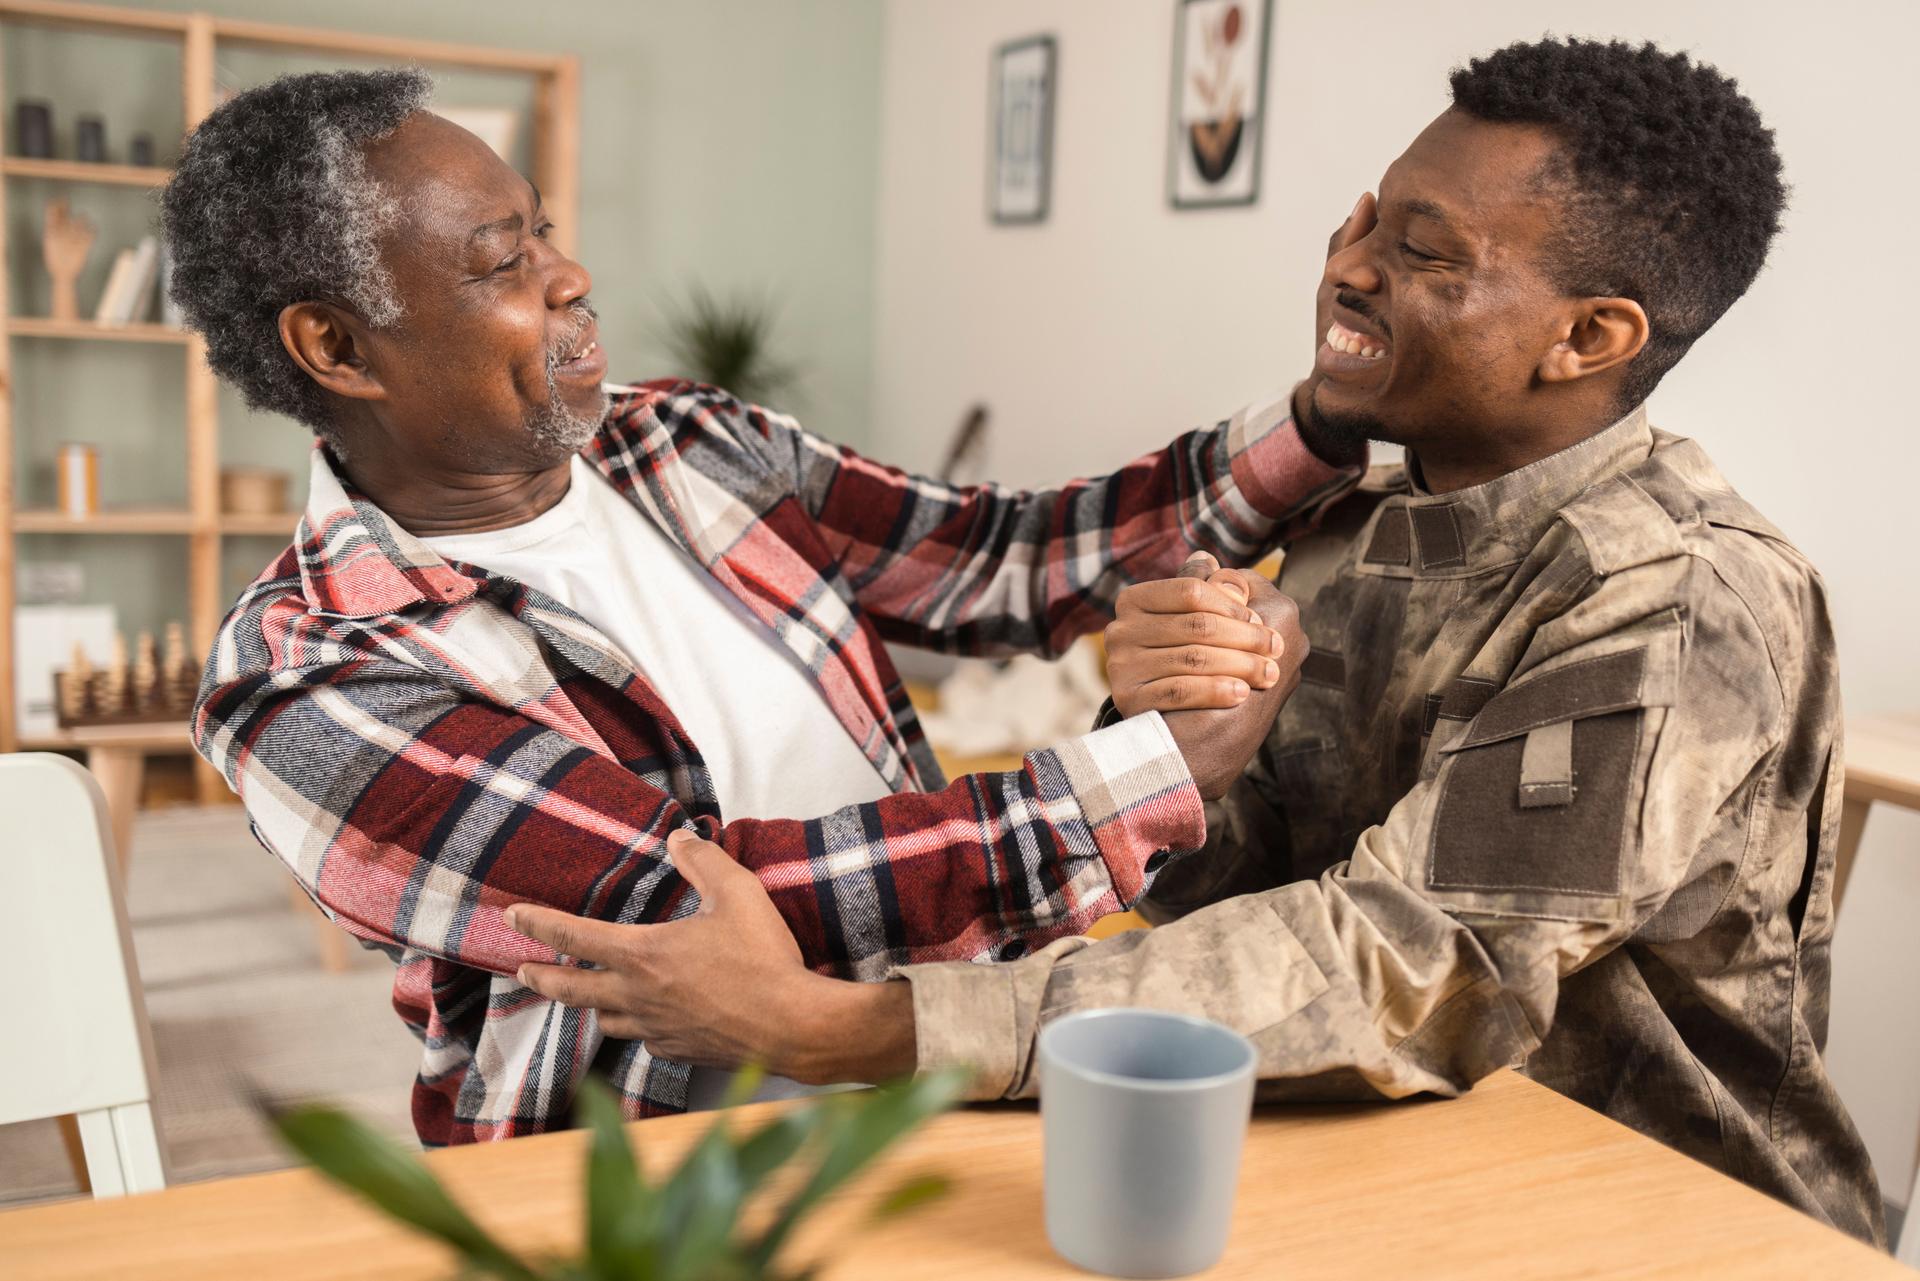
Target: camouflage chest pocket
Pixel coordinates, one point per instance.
(1538, 792)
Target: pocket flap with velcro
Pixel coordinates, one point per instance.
(1546, 813)
(1616, 682)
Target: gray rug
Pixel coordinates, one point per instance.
(238, 1001)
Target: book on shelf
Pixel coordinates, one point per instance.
(146, 269)
(129, 293)
(116, 285)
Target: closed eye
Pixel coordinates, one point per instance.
(509, 263)
(1415, 254)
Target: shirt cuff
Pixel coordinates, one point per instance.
(1275, 471)
(963, 1016)
(1135, 795)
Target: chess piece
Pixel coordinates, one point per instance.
(74, 683)
(177, 674)
(146, 673)
(64, 248)
(110, 686)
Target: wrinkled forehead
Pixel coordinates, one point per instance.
(1481, 178)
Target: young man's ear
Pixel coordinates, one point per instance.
(1600, 334)
(324, 341)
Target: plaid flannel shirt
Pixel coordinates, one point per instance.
(423, 743)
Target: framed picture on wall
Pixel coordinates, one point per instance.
(1219, 102)
(1023, 81)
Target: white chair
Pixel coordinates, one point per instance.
(77, 1038)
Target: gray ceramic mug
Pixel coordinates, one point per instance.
(1144, 1115)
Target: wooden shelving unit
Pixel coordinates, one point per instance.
(556, 163)
(46, 327)
(82, 171)
(114, 520)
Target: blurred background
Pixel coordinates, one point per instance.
(853, 202)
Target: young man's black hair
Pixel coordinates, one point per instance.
(1670, 183)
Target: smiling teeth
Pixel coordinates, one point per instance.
(1344, 340)
(578, 355)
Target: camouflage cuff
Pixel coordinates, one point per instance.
(963, 1016)
(1136, 796)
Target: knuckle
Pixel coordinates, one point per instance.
(1201, 626)
(1174, 692)
(1193, 657)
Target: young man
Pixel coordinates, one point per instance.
(1560, 787)
(527, 628)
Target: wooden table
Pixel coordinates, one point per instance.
(1512, 1181)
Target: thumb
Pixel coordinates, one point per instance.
(1361, 221)
(702, 863)
(1233, 583)
(1199, 565)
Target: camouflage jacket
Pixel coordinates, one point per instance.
(1559, 790)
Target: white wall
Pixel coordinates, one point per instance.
(1118, 322)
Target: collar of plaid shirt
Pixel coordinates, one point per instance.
(355, 562)
(424, 744)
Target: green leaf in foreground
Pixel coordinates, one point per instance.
(372, 1165)
(686, 1228)
(620, 1205)
(911, 1195)
(857, 1129)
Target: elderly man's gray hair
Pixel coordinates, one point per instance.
(271, 204)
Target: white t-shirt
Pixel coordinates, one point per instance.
(773, 746)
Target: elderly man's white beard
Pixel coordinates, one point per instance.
(556, 425)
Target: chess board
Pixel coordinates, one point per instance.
(137, 692)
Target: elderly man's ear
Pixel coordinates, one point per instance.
(325, 341)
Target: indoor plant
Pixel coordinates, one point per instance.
(726, 344)
(685, 1227)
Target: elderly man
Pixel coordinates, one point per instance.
(528, 628)
(1560, 787)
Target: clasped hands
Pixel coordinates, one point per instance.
(1215, 651)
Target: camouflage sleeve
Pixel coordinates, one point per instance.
(1541, 835)
(1248, 849)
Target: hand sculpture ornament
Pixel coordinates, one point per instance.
(68, 239)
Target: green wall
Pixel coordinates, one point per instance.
(726, 143)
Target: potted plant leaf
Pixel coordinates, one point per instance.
(728, 344)
(685, 1227)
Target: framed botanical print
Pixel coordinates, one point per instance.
(1219, 102)
(1022, 171)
